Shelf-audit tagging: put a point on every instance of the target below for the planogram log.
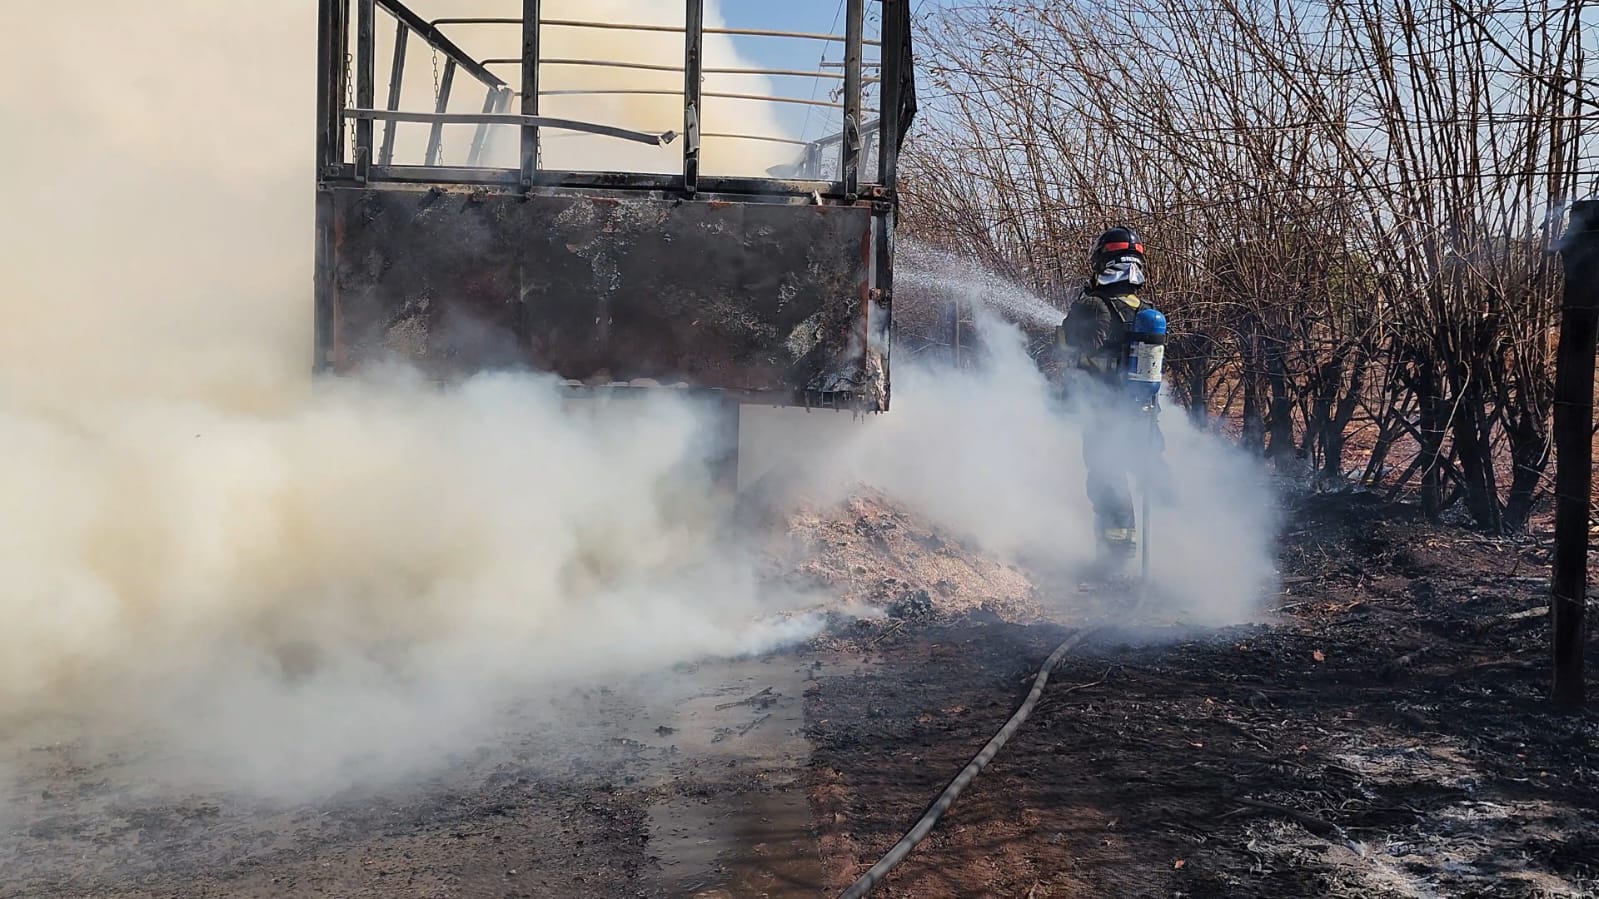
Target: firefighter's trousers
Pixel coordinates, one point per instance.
(1116, 449)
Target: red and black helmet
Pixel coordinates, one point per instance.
(1114, 244)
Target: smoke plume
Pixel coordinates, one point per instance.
(273, 578)
(642, 99)
(988, 452)
(267, 576)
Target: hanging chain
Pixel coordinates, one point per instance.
(437, 91)
(346, 94)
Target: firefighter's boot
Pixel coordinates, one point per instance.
(1116, 547)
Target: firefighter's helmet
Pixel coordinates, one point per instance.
(1118, 258)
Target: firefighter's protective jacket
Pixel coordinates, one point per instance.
(1092, 342)
(1093, 337)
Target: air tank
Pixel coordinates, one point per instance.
(1146, 355)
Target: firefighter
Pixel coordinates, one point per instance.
(1120, 438)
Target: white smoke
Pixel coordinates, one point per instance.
(270, 577)
(274, 578)
(348, 576)
(988, 453)
(642, 99)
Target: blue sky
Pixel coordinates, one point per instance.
(822, 16)
(807, 122)
(819, 16)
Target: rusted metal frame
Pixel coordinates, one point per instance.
(324, 324)
(693, 85)
(511, 118)
(365, 78)
(660, 92)
(825, 384)
(441, 105)
(599, 63)
(758, 137)
(771, 99)
(530, 91)
(475, 20)
(883, 228)
(798, 35)
(331, 43)
(659, 67)
(492, 101)
(887, 212)
(894, 63)
(396, 82)
(668, 93)
(868, 294)
(437, 39)
(743, 189)
(801, 397)
(627, 26)
(854, 35)
(781, 73)
(831, 139)
(834, 400)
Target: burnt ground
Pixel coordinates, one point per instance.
(1383, 733)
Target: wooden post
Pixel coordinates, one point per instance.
(1574, 372)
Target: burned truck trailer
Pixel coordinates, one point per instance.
(536, 210)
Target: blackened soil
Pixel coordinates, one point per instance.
(1384, 734)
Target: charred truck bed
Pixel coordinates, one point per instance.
(741, 296)
(775, 290)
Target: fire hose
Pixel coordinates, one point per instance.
(867, 882)
(1144, 362)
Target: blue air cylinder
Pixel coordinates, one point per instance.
(1146, 355)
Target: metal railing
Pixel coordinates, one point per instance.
(819, 73)
(668, 29)
(654, 67)
(854, 141)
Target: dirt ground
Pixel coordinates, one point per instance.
(1383, 733)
